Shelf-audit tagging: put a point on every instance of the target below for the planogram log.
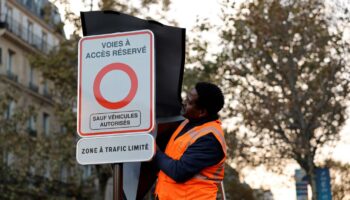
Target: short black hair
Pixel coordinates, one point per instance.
(210, 97)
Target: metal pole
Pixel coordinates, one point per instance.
(223, 196)
(118, 181)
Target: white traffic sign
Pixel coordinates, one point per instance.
(116, 84)
(115, 149)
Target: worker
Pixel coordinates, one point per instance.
(192, 165)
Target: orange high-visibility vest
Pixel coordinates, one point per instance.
(202, 186)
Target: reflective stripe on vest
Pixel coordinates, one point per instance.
(195, 135)
(216, 176)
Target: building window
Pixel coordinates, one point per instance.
(63, 129)
(9, 67)
(46, 123)
(31, 74)
(32, 125)
(30, 33)
(11, 55)
(46, 90)
(86, 172)
(10, 111)
(44, 42)
(9, 17)
(34, 87)
(47, 173)
(46, 87)
(0, 56)
(64, 174)
(28, 3)
(9, 158)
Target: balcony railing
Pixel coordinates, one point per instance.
(47, 94)
(12, 76)
(45, 10)
(32, 132)
(23, 33)
(33, 87)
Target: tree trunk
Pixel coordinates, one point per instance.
(103, 174)
(102, 188)
(311, 175)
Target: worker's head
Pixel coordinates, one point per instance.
(204, 100)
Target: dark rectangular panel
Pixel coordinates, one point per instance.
(169, 53)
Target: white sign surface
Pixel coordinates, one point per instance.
(116, 84)
(115, 149)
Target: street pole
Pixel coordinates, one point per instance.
(222, 189)
(118, 181)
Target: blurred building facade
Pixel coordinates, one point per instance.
(25, 30)
(29, 27)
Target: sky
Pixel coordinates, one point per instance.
(185, 12)
(184, 15)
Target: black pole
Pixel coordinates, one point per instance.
(118, 181)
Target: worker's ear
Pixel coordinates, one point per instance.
(202, 112)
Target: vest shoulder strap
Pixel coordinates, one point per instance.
(211, 127)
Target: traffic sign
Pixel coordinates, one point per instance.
(116, 84)
(323, 184)
(115, 149)
(301, 184)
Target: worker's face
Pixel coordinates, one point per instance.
(190, 108)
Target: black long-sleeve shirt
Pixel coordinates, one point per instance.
(204, 152)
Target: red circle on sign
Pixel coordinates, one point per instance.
(119, 104)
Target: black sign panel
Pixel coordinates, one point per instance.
(169, 53)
